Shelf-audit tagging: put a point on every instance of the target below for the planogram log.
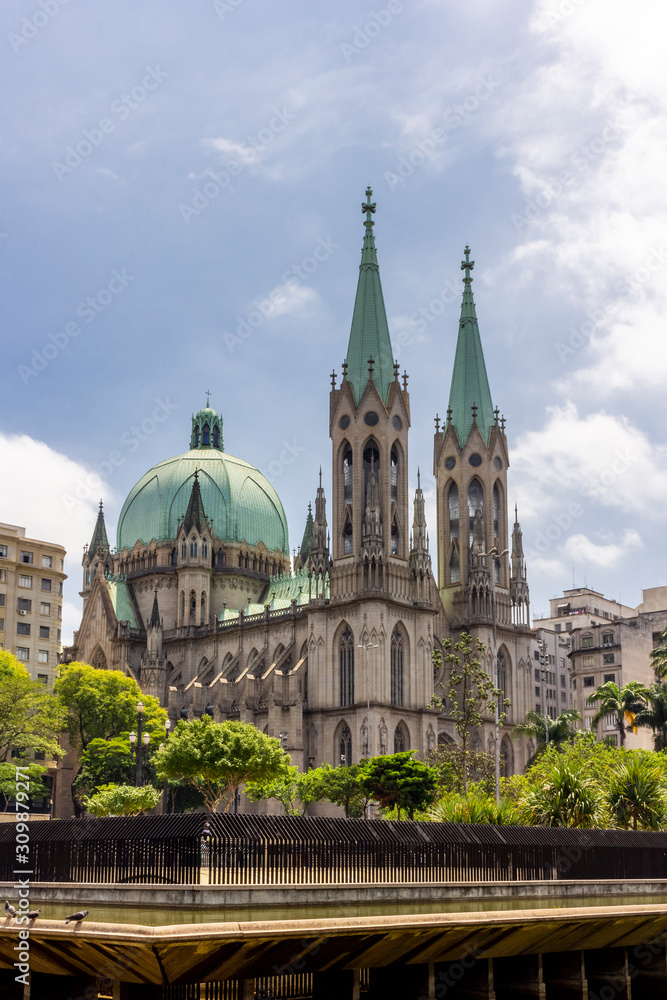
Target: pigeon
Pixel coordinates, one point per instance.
(79, 915)
(34, 914)
(9, 909)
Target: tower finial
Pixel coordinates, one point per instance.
(368, 207)
(419, 479)
(467, 264)
(208, 398)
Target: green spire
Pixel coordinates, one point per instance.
(195, 512)
(369, 335)
(470, 385)
(307, 540)
(155, 613)
(99, 539)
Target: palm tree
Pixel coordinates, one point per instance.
(636, 795)
(565, 798)
(622, 702)
(654, 715)
(659, 656)
(549, 732)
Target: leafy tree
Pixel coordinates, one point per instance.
(565, 797)
(343, 787)
(103, 704)
(623, 703)
(473, 698)
(447, 762)
(636, 793)
(30, 717)
(549, 732)
(654, 715)
(122, 800)
(659, 656)
(30, 772)
(219, 757)
(476, 807)
(398, 781)
(111, 761)
(295, 790)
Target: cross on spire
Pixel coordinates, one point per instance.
(368, 207)
(467, 264)
(208, 398)
(333, 379)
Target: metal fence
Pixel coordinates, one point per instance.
(283, 850)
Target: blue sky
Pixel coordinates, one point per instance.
(167, 166)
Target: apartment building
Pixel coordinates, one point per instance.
(31, 599)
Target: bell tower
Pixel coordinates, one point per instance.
(470, 465)
(369, 423)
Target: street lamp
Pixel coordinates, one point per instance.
(165, 788)
(496, 557)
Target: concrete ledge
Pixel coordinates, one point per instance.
(243, 896)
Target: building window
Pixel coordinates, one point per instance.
(46, 584)
(346, 667)
(26, 557)
(47, 562)
(610, 678)
(25, 581)
(568, 626)
(60, 588)
(562, 681)
(2, 600)
(607, 657)
(371, 461)
(537, 691)
(22, 653)
(475, 503)
(347, 536)
(22, 628)
(558, 628)
(44, 631)
(39, 754)
(2, 625)
(496, 509)
(587, 642)
(345, 746)
(453, 504)
(206, 435)
(193, 547)
(347, 476)
(537, 673)
(587, 661)
(216, 437)
(400, 741)
(454, 567)
(394, 476)
(394, 538)
(589, 682)
(562, 696)
(59, 611)
(3, 551)
(396, 667)
(608, 639)
(24, 604)
(204, 550)
(42, 656)
(44, 609)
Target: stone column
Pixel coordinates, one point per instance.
(342, 984)
(520, 976)
(565, 974)
(409, 982)
(45, 986)
(608, 967)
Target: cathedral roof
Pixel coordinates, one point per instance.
(122, 602)
(369, 335)
(240, 501)
(470, 384)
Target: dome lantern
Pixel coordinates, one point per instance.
(206, 429)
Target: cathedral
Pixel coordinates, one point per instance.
(200, 602)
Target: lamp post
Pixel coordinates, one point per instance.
(165, 787)
(496, 557)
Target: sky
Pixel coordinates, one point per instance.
(166, 167)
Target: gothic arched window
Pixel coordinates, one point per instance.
(206, 435)
(496, 510)
(347, 536)
(454, 566)
(394, 476)
(453, 505)
(399, 739)
(371, 460)
(193, 607)
(216, 437)
(345, 746)
(346, 667)
(204, 549)
(184, 550)
(396, 667)
(475, 503)
(174, 557)
(193, 546)
(394, 537)
(347, 476)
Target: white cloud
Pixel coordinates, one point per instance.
(231, 150)
(581, 549)
(55, 499)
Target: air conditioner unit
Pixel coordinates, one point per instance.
(23, 612)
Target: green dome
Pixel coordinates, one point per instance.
(240, 501)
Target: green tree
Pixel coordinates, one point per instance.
(397, 781)
(342, 786)
(659, 656)
(564, 797)
(622, 702)
(122, 800)
(30, 772)
(476, 807)
(30, 717)
(295, 790)
(548, 732)
(636, 793)
(218, 757)
(105, 762)
(447, 762)
(102, 704)
(473, 698)
(654, 715)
